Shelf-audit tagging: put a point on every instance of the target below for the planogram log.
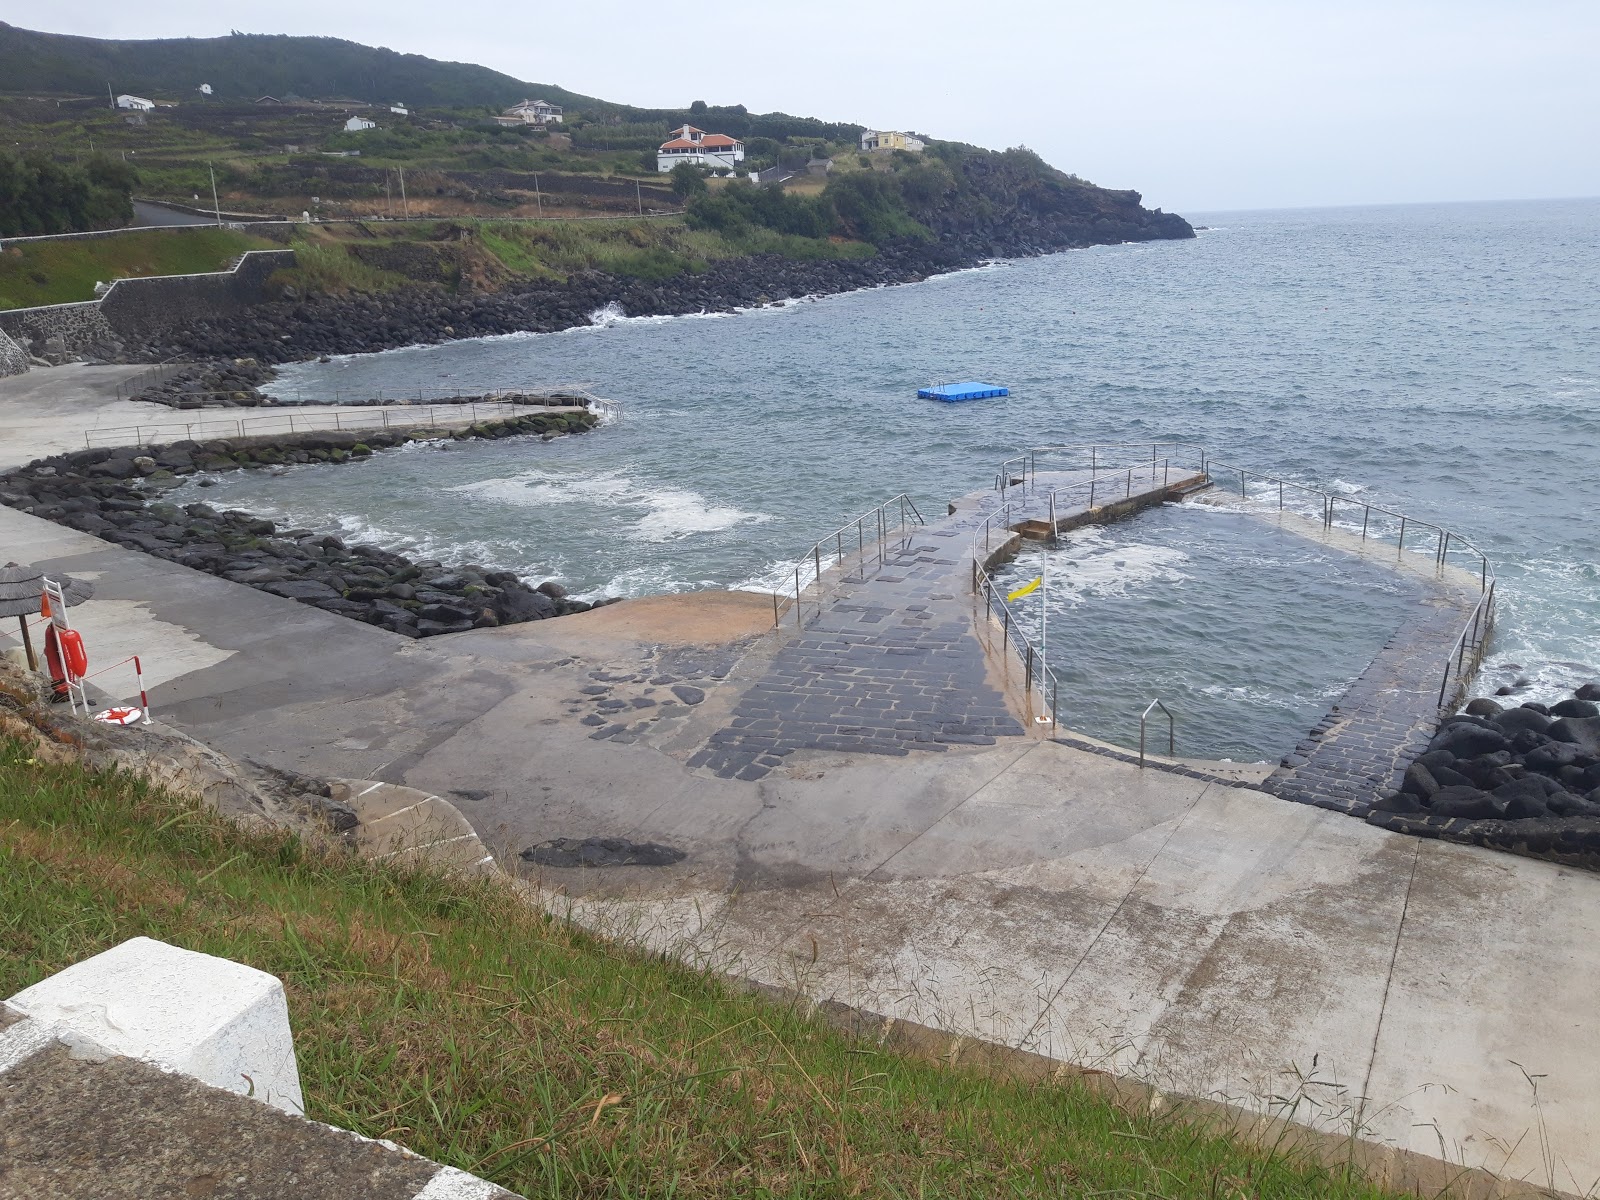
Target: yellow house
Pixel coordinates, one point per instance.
(891, 139)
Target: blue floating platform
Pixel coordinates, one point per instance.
(952, 392)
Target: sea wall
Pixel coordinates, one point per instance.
(13, 358)
(60, 332)
(141, 309)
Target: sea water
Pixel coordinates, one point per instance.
(1443, 360)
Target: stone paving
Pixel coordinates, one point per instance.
(1362, 748)
(888, 665)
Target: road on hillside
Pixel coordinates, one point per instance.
(145, 213)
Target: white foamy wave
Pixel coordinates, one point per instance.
(660, 513)
(674, 514)
(608, 314)
(1092, 565)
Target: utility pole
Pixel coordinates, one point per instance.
(388, 197)
(112, 99)
(405, 207)
(638, 197)
(215, 203)
(536, 198)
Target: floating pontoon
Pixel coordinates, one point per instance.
(951, 392)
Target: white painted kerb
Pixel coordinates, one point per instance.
(220, 1022)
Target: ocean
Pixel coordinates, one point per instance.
(1440, 359)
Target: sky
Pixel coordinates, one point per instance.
(1199, 106)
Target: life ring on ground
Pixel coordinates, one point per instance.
(120, 716)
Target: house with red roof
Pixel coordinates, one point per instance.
(691, 145)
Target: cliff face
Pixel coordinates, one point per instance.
(1015, 202)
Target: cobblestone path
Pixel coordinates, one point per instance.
(888, 665)
(1362, 748)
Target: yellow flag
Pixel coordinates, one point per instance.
(1024, 590)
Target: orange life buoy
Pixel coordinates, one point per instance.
(73, 653)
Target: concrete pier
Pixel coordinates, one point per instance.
(963, 873)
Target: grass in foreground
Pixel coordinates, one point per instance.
(65, 271)
(444, 1014)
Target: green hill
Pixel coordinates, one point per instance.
(247, 65)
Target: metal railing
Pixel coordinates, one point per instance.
(1467, 652)
(891, 523)
(1172, 740)
(530, 393)
(130, 387)
(1036, 672)
(1022, 470)
(295, 421)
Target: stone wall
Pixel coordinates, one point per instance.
(140, 308)
(137, 309)
(60, 330)
(13, 358)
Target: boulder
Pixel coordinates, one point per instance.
(1523, 798)
(1419, 781)
(1434, 759)
(1575, 708)
(1589, 691)
(1469, 740)
(1583, 732)
(1482, 707)
(513, 607)
(1398, 802)
(1471, 803)
(1483, 773)
(302, 589)
(1514, 720)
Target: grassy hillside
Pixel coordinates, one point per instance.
(59, 272)
(488, 255)
(247, 65)
(447, 1016)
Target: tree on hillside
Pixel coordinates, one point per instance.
(688, 180)
(39, 195)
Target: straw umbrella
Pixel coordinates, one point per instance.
(21, 589)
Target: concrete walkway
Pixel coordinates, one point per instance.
(1209, 938)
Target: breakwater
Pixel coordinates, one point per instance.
(118, 495)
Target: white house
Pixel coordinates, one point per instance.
(531, 112)
(357, 124)
(691, 145)
(891, 139)
(400, 110)
(137, 103)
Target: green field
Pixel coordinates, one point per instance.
(58, 272)
(445, 1014)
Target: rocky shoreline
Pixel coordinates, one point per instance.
(118, 494)
(1523, 779)
(296, 330)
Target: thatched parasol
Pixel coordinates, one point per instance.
(22, 588)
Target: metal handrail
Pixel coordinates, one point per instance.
(1035, 669)
(295, 421)
(834, 543)
(1172, 742)
(1474, 629)
(1005, 478)
(1466, 652)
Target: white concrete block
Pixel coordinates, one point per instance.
(220, 1022)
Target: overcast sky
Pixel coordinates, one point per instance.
(1200, 106)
